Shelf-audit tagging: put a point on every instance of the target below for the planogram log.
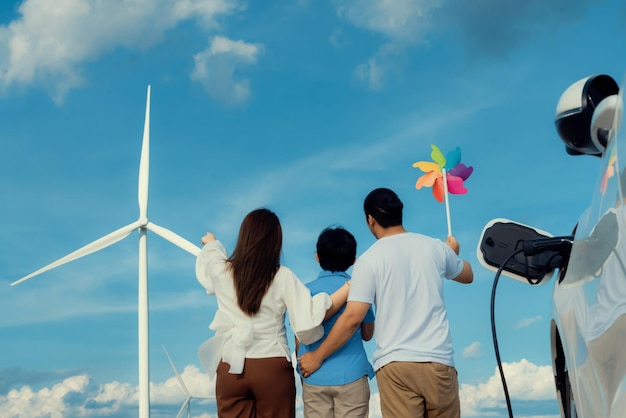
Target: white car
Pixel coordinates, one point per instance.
(588, 327)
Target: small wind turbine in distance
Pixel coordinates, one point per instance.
(187, 404)
(142, 224)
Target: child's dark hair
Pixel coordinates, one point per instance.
(336, 249)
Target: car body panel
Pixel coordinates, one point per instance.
(589, 308)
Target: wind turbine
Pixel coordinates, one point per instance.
(142, 224)
(187, 404)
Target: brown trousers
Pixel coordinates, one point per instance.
(421, 390)
(265, 389)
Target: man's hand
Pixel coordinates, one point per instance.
(452, 243)
(344, 328)
(309, 363)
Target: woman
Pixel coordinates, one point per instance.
(249, 352)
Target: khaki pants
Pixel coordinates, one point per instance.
(418, 390)
(265, 389)
(341, 401)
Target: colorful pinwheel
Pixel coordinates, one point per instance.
(456, 173)
(449, 168)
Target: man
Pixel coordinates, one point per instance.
(403, 273)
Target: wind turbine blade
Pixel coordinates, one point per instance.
(144, 164)
(174, 238)
(178, 376)
(182, 408)
(96, 245)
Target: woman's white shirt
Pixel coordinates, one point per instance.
(238, 335)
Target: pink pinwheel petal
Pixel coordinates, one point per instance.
(427, 179)
(438, 190)
(455, 185)
(461, 170)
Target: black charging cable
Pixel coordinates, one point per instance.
(561, 246)
(493, 331)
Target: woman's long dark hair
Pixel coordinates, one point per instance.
(256, 258)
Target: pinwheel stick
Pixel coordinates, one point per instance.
(445, 194)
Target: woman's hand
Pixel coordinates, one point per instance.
(208, 237)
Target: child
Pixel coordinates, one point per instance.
(340, 388)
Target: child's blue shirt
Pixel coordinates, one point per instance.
(350, 362)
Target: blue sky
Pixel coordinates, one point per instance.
(299, 106)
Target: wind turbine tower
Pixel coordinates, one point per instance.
(142, 224)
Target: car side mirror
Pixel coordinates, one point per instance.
(575, 110)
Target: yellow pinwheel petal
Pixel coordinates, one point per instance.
(427, 166)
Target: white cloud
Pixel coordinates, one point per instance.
(216, 66)
(206, 10)
(49, 42)
(525, 381)
(528, 321)
(400, 22)
(77, 396)
(474, 350)
(111, 397)
(170, 392)
(47, 402)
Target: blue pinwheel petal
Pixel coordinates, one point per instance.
(453, 158)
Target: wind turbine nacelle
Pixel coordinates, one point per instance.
(575, 111)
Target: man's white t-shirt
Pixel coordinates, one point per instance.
(402, 275)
